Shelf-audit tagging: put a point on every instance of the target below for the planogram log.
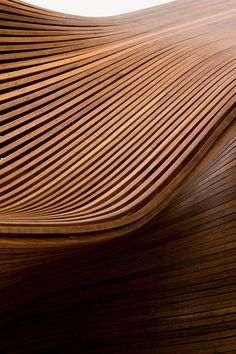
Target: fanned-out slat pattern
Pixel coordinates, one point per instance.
(102, 119)
(119, 126)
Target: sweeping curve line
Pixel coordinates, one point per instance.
(104, 119)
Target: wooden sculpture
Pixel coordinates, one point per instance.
(118, 188)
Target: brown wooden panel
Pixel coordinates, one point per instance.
(120, 126)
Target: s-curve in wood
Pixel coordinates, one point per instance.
(104, 118)
(119, 126)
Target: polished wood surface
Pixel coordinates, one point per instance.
(120, 126)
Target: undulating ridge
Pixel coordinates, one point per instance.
(118, 180)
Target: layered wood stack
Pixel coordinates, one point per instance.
(120, 126)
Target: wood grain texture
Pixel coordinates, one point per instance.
(120, 126)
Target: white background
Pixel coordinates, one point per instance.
(96, 7)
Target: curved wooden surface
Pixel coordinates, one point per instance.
(121, 126)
